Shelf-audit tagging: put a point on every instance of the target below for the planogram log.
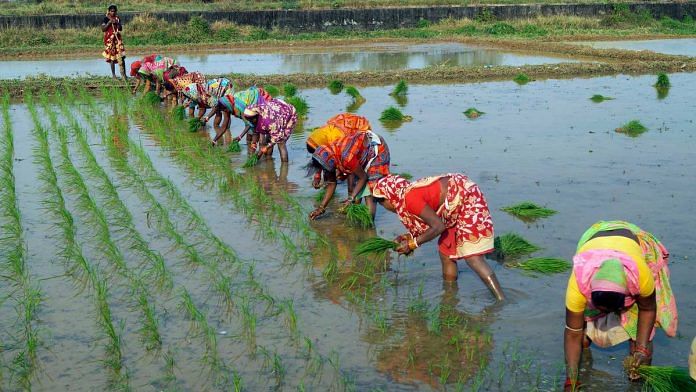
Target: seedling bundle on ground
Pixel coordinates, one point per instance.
(358, 215)
(400, 90)
(300, 105)
(521, 79)
(511, 246)
(528, 211)
(473, 113)
(234, 146)
(272, 90)
(335, 86)
(194, 124)
(597, 98)
(632, 128)
(289, 90)
(393, 117)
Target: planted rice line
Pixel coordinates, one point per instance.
(73, 258)
(25, 360)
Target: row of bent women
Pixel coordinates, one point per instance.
(619, 289)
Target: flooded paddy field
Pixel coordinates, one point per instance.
(673, 46)
(163, 265)
(376, 57)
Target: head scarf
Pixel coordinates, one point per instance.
(350, 123)
(610, 277)
(135, 66)
(324, 135)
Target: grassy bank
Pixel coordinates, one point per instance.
(24, 7)
(147, 32)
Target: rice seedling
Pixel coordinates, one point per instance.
(234, 146)
(194, 124)
(150, 98)
(473, 113)
(289, 90)
(251, 161)
(543, 265)
(320, 195)
(335, 86)
(392, 114)
(528, 210)
(401, 89)
(358, 215)
(301, 107)
(179, 113)
(354, 93)
(663, 378)
(598, 98)
(278, 369)
(633, 128)
(662, 81)
(376, 245)
(521, 79)
(511, 246)
(150, 325)
(272, 90)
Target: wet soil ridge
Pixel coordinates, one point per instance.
(374, 18)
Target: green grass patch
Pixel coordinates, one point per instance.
(662, 81)
(521, 79)
(289, 90)
(598, 98)
(375, 246)
(272, 90)
(335, 86)
(543, 265)
(300, 105)
(400, 90)
(251, 161)
(473, 113)
(528, 210)
(512, 246)
(194, 124)
(179, 113)
(358, 215)
(234, 146)
(632, 128)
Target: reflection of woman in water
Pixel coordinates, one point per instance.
(619, 290)
(114, 52)
(450, 206)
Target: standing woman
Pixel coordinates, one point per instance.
(364, 155)
(274, 121)
(114, 52)
(619, 290)
(234, 105)
(450, 206)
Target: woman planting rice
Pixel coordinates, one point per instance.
(619, 290)
(151, 69)
(365, 155)
(450, 206)
(337, 127)
(234, 104)
(114, 52)
(206, 95)
(188, 80)
(274, 120)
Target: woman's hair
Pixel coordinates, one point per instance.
(112, 7)
(312, 167)
(610, 300)
(310, 149)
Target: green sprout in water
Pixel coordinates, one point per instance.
(544, 265)
(528, 210)
(178, 113)
(662, 81)
(194, 124)
(289, 90)
(597, 98)
(473, 113)
(632, 128)
(358, 215)
(511, 246)
(234, 146)
(335, 86)
(271, 90)
(300, 105)
(376, 246)
(400, 89)
(521, 79)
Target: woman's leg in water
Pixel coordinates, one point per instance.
(218, 118)
(283, 150)
(449, 268)
(479, 265)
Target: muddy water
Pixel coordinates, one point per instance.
(677, 46)
(545, 142)
(325, 60)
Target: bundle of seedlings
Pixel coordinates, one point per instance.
(375, 246)
(234, 146)
(178, 112)
(662, 378)
(543, 265)
(662, 81)
(289, 90)
(512, 246)
(355, 94)
(271, 90)
(528, 210)
(300, 105)
(251, 161)
(473, 113)
(150, 98)
(335, 86)
(521, 79)
(358, 215)
(405, 175)
(392, 114)
(400, 90)
(632, 128)
(597, 98)
(194, 124)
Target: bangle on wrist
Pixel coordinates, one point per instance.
(412, 243)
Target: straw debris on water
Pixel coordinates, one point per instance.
(528, 210)
(375, 246)
(512, 246)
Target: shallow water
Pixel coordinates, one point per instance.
(318, 60)
(545, 142)
(674, 46)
